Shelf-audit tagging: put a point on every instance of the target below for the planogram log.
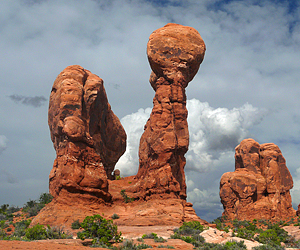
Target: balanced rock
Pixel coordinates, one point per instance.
(175, 53)
(259, 188)
(87, 136)
(89, 140)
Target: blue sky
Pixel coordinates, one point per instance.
(247, 85)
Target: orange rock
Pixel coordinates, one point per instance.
(175, 53)
(87, 136)
(259, 188)
(89, 139)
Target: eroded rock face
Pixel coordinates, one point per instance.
(259, 188)
(175, 53)
(87, 136)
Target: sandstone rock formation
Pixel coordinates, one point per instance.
(87, 136)
(259, 188)
(175, 53)
(89, 139)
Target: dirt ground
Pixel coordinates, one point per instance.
(128, 232)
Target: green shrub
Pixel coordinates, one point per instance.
(220, 222)
(9, 229)
(37, 232)
(3, 224)
(3, 208)
(232, 245)
(127, 199)
(57, 233)
(45, 198)
(268, 247)
(160, 239)
(154, 237)
(165, 246)
(21, 227)
(2, 234)
(40, 232)
(118, 177)
(245, 233)
(102, 231)
(189, 228)
(149, 236)
(75, 224)
(12, 209)
(129, 245)
(115, 216)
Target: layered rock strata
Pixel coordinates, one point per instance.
(87, 136)
(259, 188)
(175, 53)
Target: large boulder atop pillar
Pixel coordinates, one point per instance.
(175, 53)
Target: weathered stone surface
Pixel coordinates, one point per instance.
(89, 140)
(175, 53)
(87, 136)
(259, 188)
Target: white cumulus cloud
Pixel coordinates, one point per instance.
(216, 131)
(134, 127)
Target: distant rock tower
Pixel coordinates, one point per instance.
(175, 53)
(259, 188)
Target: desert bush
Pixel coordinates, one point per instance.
(32, 207)
(149, 236)
(127, 199)
(268, 247)
(45, 198)
(2, 234)
(154, 237)
(40, 232)
(160, 239)
(189, 228)
(231, 245)
(3, 224)
(57, 233)
(220, 223)
(165, 246)
(245, 233)
(21, 227)
(37, 232)
(189, 232)
(102, 231)
(9, 229)
(75, 224)
(129, 245)
(115, 216)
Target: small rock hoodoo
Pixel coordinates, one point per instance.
(259, 188)
(175, 53)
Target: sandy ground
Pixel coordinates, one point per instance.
(128, 232)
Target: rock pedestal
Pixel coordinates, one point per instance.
(259, 188)
(175, 53)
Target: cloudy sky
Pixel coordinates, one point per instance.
(247, 85)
